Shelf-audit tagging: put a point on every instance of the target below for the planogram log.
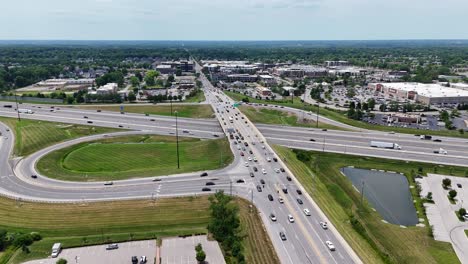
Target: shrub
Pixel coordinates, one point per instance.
(61, 261)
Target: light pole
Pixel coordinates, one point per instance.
(318, 112)
(17, 109)
(177, 139)
(171, 103)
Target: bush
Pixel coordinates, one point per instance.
(446, 182)
(36, 236)
(23, 240)
(452, 194)
(462, 212)
(61, 261)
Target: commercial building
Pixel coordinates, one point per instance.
(165, 69)
(242, 78)
(336, 63)
(108, 88)
(263, 91)
(300, 71)
(267, 80)
(425, 93)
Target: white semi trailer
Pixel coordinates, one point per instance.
(387, 145)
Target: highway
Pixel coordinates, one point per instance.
(305, 237)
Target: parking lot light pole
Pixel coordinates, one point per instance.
(177, 139)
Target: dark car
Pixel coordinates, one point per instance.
(34, 176)
(204, 174)
(312, 139)
(270, 197)
(275, 159)
(283, 236)
(252, 175)
(85, 117)
(98, 110)
(90, 122)
(299, 192)
(240, 181)
(459, 185)
(206, 189)
(437, 140)
(259, 188)
(299, 201)
(109, 183)
(250, 151)
(210, 183)
(288, 178)
(152, 120)
(262, 181)
(285, 190)
(255, 169)
(134, 260)
(324, 129)
(120, 126)
(157, 179)
(281, 169)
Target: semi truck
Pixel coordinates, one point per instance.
(440, 151)
(25, 111)
(381, 144)
(426, 137)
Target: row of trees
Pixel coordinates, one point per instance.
(225, 227)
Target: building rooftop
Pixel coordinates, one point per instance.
(428, 90)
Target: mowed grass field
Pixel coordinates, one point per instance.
(33, 135)
(381, 242)
(134, 156)
(277, 117)
(82, 224)
(192, 111)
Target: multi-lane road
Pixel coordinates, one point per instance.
(305, 238)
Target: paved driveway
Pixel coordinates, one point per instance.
(99, 254)
(182, 250)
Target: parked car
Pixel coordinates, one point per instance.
(262, 181)
(255, 169)
(288, 178)
(270, 197)
(259, 188)
(459, 185)
(275, 159)
(134, 260)
(252, 175)
(299, 191)
(143, 260)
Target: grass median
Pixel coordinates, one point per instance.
(82, 224)
(33, 135)
(341, 117)
(192, 111)
(277, 117)
(373, 240)
(134, 156)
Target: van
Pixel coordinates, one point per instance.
(56, 248)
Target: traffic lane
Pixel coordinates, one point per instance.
(456, 144)
(426, 147)
(376, 152)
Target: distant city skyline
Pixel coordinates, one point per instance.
(233, 20)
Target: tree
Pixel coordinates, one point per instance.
(446, 182)
(134, 81)
(429, 196)
(150, 77)
(131, 97)
(462, 212)
(371, 103)
(61, 261)
(201, 256)
(452, 194)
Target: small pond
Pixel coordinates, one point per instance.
(387, 192)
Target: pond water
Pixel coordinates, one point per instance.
(387, 192)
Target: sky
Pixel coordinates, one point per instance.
(233, 19)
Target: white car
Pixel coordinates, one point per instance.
(249, 158)
(277, 170)
(291, 218)
(263, 147)
(246, 164)
(255, 159)
(280, 200)
(306, 212)
(273, 217)
(465, 216)
(269, 159)
(324, 225)
(330, 245)
(263, 171)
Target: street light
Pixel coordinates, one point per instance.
(177, 139)
(17, 109)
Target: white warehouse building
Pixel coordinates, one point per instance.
(421, 92)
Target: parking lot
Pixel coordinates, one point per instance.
(99, 254)
(182, 250)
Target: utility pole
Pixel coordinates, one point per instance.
(362, 192)
(177, 139)
(17, 109)
(318, 112)
(230, 187)
(171, 104)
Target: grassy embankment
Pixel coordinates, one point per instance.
(198, 97)
(33, 135)
(134, 156)
(97, 223)
(340, 116)
(192, 111)
(373, 240)
(277, 117)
